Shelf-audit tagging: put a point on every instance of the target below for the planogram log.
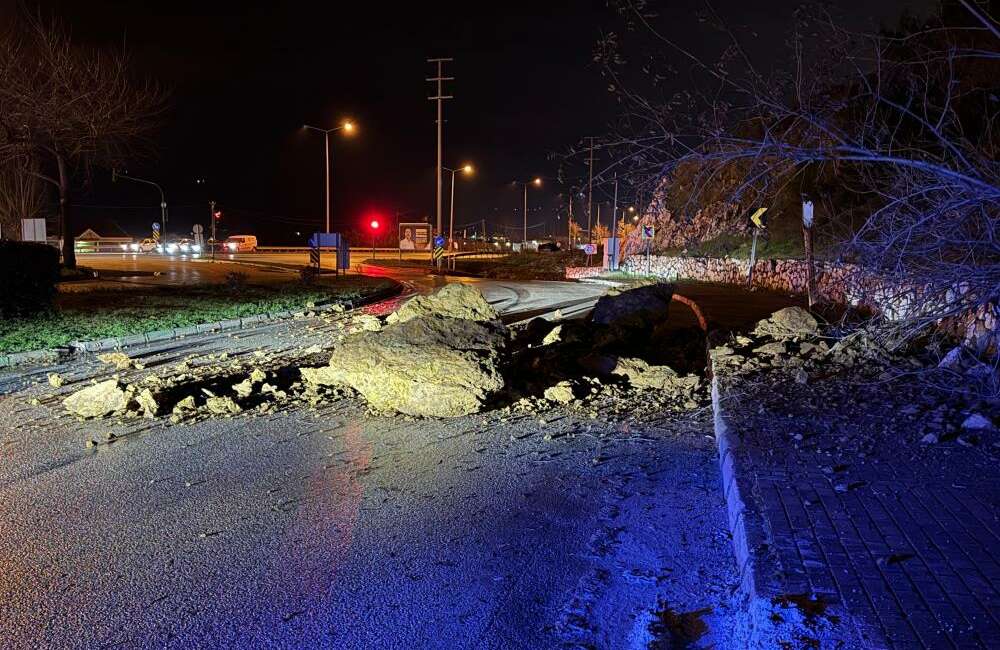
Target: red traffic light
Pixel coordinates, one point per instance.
(374, 224)
(218, 214)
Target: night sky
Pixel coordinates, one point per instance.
(245, 78)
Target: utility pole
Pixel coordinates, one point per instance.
(590, 195)
(614, 211)
(524, 235)
(211, 217)
(439, 97)
(569, 224)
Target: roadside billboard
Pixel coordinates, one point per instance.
(415, 237)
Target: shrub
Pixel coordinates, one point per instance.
(29, 272)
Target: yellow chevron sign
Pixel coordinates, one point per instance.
(757, 218)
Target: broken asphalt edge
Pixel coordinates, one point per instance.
(119, 342)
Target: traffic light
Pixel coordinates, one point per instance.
(374, 225)
(218, 215)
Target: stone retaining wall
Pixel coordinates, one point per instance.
(838, 283)
(577, 272)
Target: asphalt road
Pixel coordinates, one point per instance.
(516, 299)
(332, 528)
(191, 269)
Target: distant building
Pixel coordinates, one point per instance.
(101, 236)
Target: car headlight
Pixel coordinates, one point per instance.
(196, 248)
(171, 248)
(159, 248)
(134, 247)
(231, 247)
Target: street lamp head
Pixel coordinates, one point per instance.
(467, 169)
(635, 218)
(631, 208)
(537, 181)
(348, 126)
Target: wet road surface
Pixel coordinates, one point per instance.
(333, 528)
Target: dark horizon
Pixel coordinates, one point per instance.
(245, 80)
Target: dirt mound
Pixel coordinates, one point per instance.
(456, 300)
(426, 362)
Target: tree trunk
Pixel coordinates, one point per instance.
(66, 217)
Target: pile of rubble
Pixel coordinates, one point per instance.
(195, 388)
(442, 355)
(790, 361)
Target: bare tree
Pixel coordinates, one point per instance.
(72, 108)
(905, 121)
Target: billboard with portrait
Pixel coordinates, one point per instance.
(415, 237)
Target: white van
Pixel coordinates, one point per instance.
(240, 244)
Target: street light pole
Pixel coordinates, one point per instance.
(465, 169)
(326, 139)
(451, 218)
(115, 175)
(524, 236)
(346, 126)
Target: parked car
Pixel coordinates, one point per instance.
(240, 244)
(549, 247)
(147, 245)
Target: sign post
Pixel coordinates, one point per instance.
(611, 249)
(648, 231)
(759, 223)
(199, 239)
(438, 253)
(156, 234)
(321, 240)
(807, 224)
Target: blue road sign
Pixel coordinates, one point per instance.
(325, 239)
(439, 241)
(156, 226)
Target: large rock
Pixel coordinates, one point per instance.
(642, 307)
(789, 322)
(97, 400)
(455, 300)
(424, 365)
(642, 375)
(561, 393)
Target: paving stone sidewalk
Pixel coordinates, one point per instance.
(837, 505)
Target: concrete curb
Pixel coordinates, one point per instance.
(758, 569)
(118, 342)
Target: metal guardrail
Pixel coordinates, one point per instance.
(91, 249)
